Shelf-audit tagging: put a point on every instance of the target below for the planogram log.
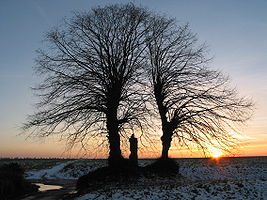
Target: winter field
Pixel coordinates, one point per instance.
(224, 178)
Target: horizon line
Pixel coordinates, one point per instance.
(66, 158)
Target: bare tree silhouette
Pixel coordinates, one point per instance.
(94, 74)
(195, 103)
(92, 71)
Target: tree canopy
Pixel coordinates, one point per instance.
(196, 104)
(92, 70)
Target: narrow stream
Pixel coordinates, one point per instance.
(44, 187)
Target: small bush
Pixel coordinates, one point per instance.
(12, 182)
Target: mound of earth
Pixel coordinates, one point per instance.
(125, 175)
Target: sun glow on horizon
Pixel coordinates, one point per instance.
(215, 152)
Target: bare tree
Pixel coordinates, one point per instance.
(91, 76)
(195, 104)
(93, 88)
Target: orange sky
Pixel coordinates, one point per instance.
(52, 148)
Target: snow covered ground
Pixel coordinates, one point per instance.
(68, 170)
(210, 190)
(233, 178)
(51, 173)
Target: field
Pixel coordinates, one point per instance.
(224, 178)
(33, 163)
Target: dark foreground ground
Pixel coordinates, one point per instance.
(227, 178)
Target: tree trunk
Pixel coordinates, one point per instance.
(115, 158)
(166, 143)
(166, 126)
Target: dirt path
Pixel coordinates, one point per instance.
(68, 187)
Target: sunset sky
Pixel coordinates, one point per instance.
(235, 31)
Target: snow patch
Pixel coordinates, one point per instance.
(52, 173)
(198, 191)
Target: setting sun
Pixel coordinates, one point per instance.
(215, 153)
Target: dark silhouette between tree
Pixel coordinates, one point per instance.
(92, 71)
(195, 104)
(133, 158)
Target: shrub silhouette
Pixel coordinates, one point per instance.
(12, 182)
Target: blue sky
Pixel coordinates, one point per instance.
(235, 31)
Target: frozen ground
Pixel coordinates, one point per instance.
(209, 190)
(227, 178)
(50, 173)
(68, 170)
